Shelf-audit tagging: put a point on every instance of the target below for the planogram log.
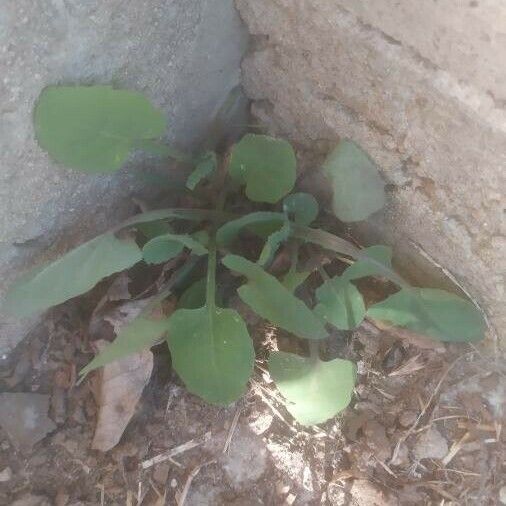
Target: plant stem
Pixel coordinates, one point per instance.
(221, 190)
(211, 275)
(323, 273)
(314, 350)
(294, 255)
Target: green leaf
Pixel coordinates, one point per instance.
(230, 230)
(178, 214)
(135, 336)
(94, 128)
(343, 247)
(194, 296)
(358, 190)
(272, 301)
(273, 243)
(202, 236)
(158, 149)
(212, 352)
(167, 246)
(265, 165)
(205, 166)
(153, 229)
(435, 313)
(362, 268)
(340, 303)
(73, 274)
(303, 207)
(315, 390)
(161, 249)
(293, 279)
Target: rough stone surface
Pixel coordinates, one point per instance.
(24, 418)
(424, 96)
(431, 445)
(246, 460)
(183, 54)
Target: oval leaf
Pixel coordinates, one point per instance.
(167, 246)
(94, 128)
(194, 296)
(272, 301)
(293, 279)
(168, 214)
(230, 230)
(73, 274)
(435, 313)
(265, 165)
(363, 268)
(205, 166)
(212, 352)
(135, 336)
(301, 207)
(315, 391)
(340, 303)
(358, 190)
(152, 229)
(273, 243)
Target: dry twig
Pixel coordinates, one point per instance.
(189, 445)
(182, 498)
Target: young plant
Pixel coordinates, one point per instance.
(95, 128)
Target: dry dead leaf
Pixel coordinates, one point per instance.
(117, 291)
(121, 315)
(412, 365)
(120, 387)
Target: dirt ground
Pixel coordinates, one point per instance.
(425, 427)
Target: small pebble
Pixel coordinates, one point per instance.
(407, 418)
(5, 475)
(502, 495)
(290, 499)
(173, 483)
(281, 488)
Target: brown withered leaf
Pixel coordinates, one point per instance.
(120, 386)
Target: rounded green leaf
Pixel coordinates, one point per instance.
(167, 246)
(94, 128)
(274, 302)
(194, 296)
(265, 165)
(212, 352)
(303, 207)
(73, 274)
(358, 190)
(315, 390)
(152, 229)
(340, 303)
(435, 313)
(161, 249)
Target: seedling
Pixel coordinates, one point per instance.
(94, 129)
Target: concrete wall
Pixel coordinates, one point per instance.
(183, 54)
(421, 85)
